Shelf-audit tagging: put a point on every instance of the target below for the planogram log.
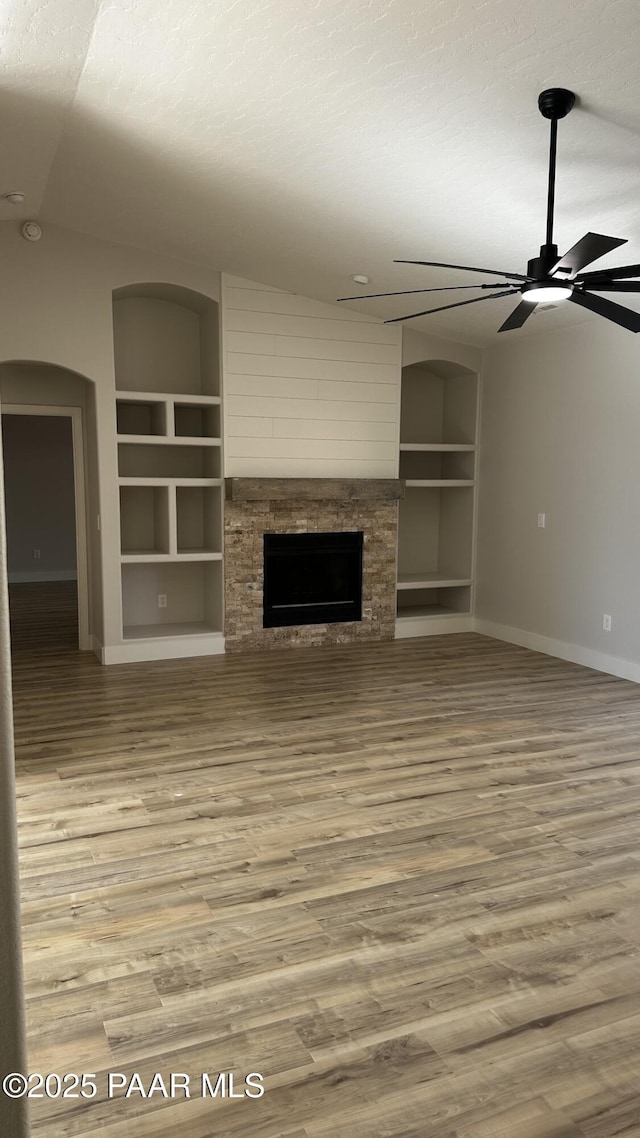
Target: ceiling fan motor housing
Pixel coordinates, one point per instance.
(540, 267)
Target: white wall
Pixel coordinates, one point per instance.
(311, 389)
(40, 497)
(560, 431)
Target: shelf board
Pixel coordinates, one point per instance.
(165, 396)
(439, 580)
(197, 555)
(423, 611)
(439, 482)
(167, 631)
(170, 440)
(129, 480)
(198, 400)
(130, 556)
(142, 556)
(437, 446)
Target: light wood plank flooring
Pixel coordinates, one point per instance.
(400, 881)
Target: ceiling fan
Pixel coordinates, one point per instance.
(549, 278)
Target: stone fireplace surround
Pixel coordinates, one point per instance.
(255, 506)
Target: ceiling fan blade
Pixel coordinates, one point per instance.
(519, 316)
(611, 286)
(459, 303)
(466, 269)
(410, 291)
(586, 250)
(625, 317)
(612, 274)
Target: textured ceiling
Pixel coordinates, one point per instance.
(297, 142)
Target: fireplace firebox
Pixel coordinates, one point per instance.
(312, 578)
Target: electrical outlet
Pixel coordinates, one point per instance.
(606, 622)
(542, 521)
(162, 600)
(36, 554)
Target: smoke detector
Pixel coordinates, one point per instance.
(31, 231)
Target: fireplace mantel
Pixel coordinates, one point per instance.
(313, 489)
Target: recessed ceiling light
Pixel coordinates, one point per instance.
(16, 197)
(360, 278)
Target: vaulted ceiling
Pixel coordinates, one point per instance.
(297, 142)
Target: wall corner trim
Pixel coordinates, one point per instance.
(575, 653)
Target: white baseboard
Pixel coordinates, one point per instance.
(588, 657)
(408, 626)
(21, 577)
(162, 648)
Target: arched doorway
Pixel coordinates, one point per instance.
(44, 418)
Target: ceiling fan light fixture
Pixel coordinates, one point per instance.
(546, 292)
(549, 280)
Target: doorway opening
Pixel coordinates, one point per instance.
(46, 526)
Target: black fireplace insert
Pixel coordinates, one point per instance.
(312, 578)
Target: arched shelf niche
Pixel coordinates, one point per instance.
(168, 412)
(438, 440)
(165, 340)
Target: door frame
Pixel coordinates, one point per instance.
(80, 497)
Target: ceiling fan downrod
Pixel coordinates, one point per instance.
(554, 104)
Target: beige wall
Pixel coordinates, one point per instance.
(559, 435)
(311, 389)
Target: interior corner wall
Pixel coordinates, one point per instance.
(560, 423)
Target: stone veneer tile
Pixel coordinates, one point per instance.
(245, 525)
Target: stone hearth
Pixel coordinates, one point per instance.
(308, 505)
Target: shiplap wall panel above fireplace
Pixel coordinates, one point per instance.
(311, 389)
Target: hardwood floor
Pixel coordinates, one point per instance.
(44, 614)
(400, 881)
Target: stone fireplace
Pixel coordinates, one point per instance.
(259, 506)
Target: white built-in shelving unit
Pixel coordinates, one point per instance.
(168, 414)
(438, 438)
